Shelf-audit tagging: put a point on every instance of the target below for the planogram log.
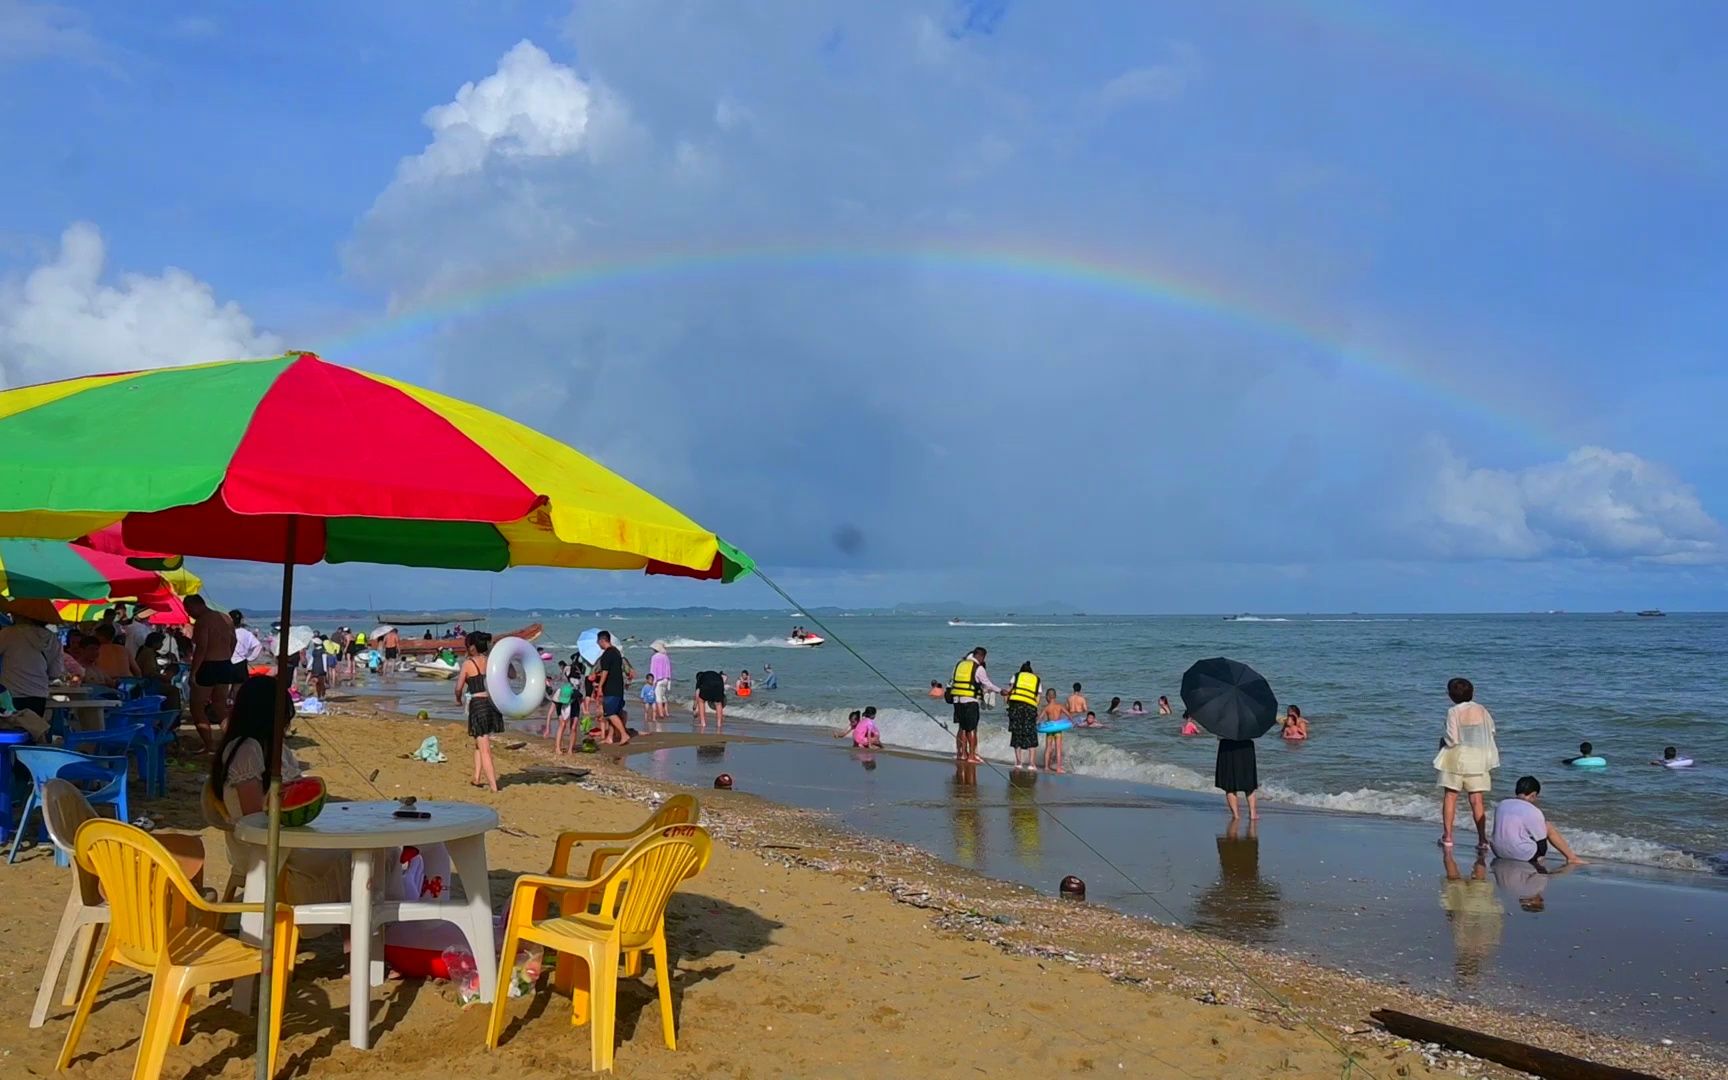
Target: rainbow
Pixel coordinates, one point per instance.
(1028, 266)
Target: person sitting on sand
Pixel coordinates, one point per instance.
(1164, 706)
(1137, 710)
(1521, 832)
(936, 689)
(852, 719)
(1189, 727)
(1585, 750)
(1295, 728)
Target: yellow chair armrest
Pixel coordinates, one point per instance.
(598, 858)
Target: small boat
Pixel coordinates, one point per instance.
(430, 646)
(1652, 614)
(435, 669)
(807, 639)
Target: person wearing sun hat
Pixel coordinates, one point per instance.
(660, 671)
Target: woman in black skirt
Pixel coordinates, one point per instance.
(484, 719)
(1236, 773)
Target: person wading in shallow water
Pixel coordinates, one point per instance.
(1023, 717)
(969, 683)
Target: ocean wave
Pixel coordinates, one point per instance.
(963, 622)
(1257, 618)
(905, 728)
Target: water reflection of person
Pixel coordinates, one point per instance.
(1024, 818)
(965, 817)
(1525, 882)
(1240, 905)
(1474, 914)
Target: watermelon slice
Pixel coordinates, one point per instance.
(302, 800)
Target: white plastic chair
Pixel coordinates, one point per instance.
(65, 808)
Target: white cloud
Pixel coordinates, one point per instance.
(1162, 82)
(531, 107)
(60, 320)
(1594, 503)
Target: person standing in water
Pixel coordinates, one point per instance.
(966, 688)
(1077, 704)
(484, 719)
(1295, 729)
(1236, 773)
(610, 668)
(1023, 716)
(1467, 759)
(1163, 705)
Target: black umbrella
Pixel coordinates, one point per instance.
(1229, 699)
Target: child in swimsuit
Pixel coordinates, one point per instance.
(1053, 710)
(1189, 727)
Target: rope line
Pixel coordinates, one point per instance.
(1351, 1061)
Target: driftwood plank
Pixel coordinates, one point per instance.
(1517, 1055)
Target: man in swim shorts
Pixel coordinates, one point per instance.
(214, 672)
(610, 668)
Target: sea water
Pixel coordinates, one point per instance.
(1372, 687)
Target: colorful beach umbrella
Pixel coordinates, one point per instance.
(110, 541)
(263, 474)
(266, 440)
(50, 570)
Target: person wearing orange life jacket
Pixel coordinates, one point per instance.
(965, 688)
(1023, 716)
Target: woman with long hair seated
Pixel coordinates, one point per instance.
(239, 776)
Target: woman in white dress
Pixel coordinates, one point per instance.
(1467, 759)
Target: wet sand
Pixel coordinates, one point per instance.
(1639, 952)
(804, 950)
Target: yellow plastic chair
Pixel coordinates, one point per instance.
(631, 915)
(64, 808)
(678, 810)
(160, 925)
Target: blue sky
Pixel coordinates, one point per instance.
(1263, 306)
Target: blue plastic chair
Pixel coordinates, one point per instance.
(160, 731)
(130, 686)
(145, 703)
(101, 780)
(123, 737)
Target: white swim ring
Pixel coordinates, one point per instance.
(510, 702)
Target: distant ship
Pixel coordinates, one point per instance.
(1652, 613)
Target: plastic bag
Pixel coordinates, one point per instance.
(464, 975)
(526, 971)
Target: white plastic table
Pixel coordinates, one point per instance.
(371, 831)
(86, 712)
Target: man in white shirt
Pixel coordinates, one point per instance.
(1521, 831)
(134, 628)
(30, 658)
(247, 647)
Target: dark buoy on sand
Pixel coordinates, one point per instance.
(723, 781)
(1072, 888)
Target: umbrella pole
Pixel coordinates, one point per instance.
(273, 799)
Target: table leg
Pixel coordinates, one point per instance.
(469, 857)
(360, 953)
(252, 929)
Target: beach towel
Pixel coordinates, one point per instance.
(429, 751)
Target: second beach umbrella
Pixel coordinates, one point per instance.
(1229, 699)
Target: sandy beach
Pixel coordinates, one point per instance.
(805, 950)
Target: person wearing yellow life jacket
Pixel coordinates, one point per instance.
(1023, 717)
(967, 685)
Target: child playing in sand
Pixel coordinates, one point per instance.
(1053, 710)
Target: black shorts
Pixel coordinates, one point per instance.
(220, 673)
(389, 653)
(713, 697)
(1541, 851)
(966, 715)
